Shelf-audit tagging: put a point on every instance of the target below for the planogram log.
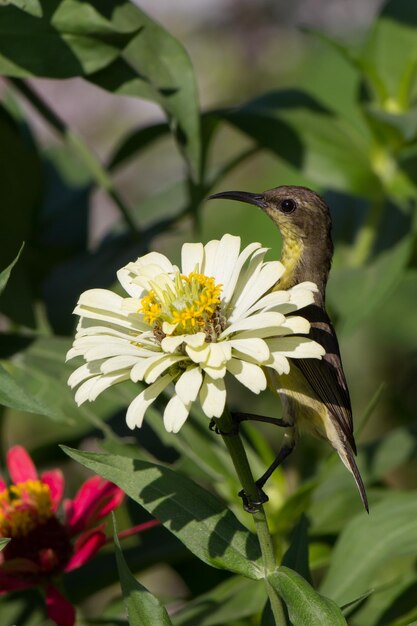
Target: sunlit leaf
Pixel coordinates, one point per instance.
(304, 604)
(112, 43)
(190, 512)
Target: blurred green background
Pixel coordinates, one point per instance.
(315, 93)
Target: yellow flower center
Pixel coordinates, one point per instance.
(23, 507)
(187, 302)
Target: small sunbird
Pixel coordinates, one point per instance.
(314, 394)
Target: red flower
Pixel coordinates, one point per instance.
(44, 546)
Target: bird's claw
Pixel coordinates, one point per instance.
(252, 506)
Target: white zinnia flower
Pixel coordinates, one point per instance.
(189, 327)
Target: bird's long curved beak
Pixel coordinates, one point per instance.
(242, 196)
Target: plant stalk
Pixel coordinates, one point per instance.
(240, 461)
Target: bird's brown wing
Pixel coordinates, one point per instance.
(326, 376)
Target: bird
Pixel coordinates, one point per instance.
(314, 394)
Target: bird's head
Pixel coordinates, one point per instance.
(304, 220)
(299, 213)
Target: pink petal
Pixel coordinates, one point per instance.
(3, 485)
(85, 548)
(95, 499)
(20, 465)
(59, 609)
(55, 481)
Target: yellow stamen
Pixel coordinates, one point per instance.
(23, 507)
(188, 302)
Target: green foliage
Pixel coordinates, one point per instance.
(142, 608)
(346, 125)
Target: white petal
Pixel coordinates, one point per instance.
(210, 252)
(170, 344)
(248, 274)
(258, 321)
(191, 255)
(214, 372)
(118, 363)
(259, 283)
(296, 347)
(279, 363)
(137, 408)
(270, 301)
(290, 326)
(83, 392)
(82, 373)
(198, 354)
(213, 396)
(255, 348)
(300, 296)
(92, 388)
(188, 385)
(125, 279)
(218, 354)
(175, 414)
(230, 285)
(248, 374)
(158, 367)
(104, 382)
(226, 256)
(152, 258)
(168, 328)
(100, 299)
(196, 340)
(107, 349)
(138, 371)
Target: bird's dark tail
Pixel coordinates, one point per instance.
(348, 459)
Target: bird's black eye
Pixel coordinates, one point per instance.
(288, 205)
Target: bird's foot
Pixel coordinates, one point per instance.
(250, 505)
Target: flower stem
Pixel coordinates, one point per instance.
(84, 153)
(240, 461)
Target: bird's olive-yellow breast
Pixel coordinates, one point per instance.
(304, 220)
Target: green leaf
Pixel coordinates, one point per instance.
(390, 332)
(368, 542)
(304, 604)
(115, 45)
(33, 7)
(194, 515)
(236, 598)
(3, 543)
(296, 556)
(135, 142)
(322, 146)
(12, 395)
(5, 274)
(356, 293)
(143, 609)
(70, 38)
(391, 52)
(36, 381)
